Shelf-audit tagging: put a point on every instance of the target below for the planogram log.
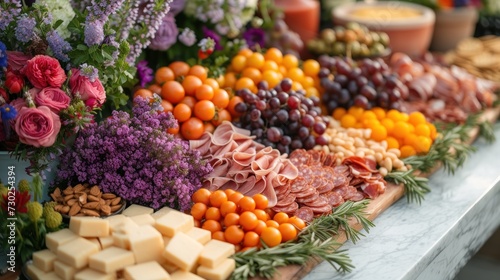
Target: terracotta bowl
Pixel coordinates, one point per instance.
(408, 25)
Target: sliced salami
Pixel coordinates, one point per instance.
(299, 185)
(334, 199)
(322, 209)
(357, 196)
(341, 169)
(356, 181)
(306, 192)
(305, 213)
(326, 187)
(339, 181)
(321, 201)
(286, 200)
(289, 209)
(308, 199)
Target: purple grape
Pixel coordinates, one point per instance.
(260, 105)
(361, 101)
(273, 134)
(308, 121)
(286, 84)
(296, 144)
(309, 142)
(323, 73)
(282, 115)
(283, 97)
(241, 107)
(294, 115)
(286, 140)
(303, 132)
(262, 85)
(293, 102)
(321, 140)
(274, 103)
(255, 115)
(344, 96)
(369, 92)
(319, 127)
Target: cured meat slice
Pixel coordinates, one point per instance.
(299, 185)
(340, 181)
(357, 196)
(289, 209)
(334, 199)
(325, 188)
(308, 199)
(320, 202)
(305, 213)
(345, 192)
(286, 200)
(322, 209)
(341, 169)
(357, 181)
(306, 192)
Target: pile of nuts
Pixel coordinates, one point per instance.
(81, 200)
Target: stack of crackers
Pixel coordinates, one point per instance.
(479, 56)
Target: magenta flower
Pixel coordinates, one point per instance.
(211, 34)
(255, 37)
(144, 73)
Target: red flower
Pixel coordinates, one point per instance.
(44, 71)
(20, 200)
(204, 54)
(14, 83)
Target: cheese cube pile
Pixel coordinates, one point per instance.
(138, 244)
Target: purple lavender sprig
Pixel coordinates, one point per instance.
(58, 46)
(9, 10)
(134, 157)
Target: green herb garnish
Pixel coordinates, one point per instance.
(415, 187)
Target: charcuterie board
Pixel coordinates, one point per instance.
(376, 206)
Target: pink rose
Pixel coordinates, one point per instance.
(18, 104)
(81, 85)
(37, 126)
(17, 60)
(54, 98)
(44, 71)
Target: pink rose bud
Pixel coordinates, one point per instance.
(14, 83)
(37, 126)
(86, 89)
(92, 103)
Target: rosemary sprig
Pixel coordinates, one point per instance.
(487, 132)
(415, 187)
(315, 241)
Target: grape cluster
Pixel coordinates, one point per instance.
(284, 39)
(281, 117)
(487, 25)
(366, 83)
(355, 40)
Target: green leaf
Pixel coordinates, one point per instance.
(81, 47)
(57, 24)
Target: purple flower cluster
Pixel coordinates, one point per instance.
(9, 10)
(166, 35)
(144, 73)
(151, 15)
(89, 71)
(99, 13)
(58, 45)
(187, 37)
(134, 157)
(94, 32)
(25, 29)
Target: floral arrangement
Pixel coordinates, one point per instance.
(136, 158)
(190, 29)
(33, 220)
(41, 106)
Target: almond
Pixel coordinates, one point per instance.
(108, 195)
(79, 215)
(108, 202)
(74, 209)
(82, 199)
(71, 201)
(92, 198)
(116, 200)
(68, 197)
(58, 207)
(78, 188)
(115, 208)
(95, 190)
(89, 212)
(106, 210)
(54, 197)
(65, 209)
(91, 205)
(68, 190)
(102, 201)
(57, 192)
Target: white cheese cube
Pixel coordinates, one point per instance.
(215, 252)
(89, 226)
(183, 251)
(64, 271)
(88, 274)
(34, 272)
(200, 235)
(143, 271)
(146, 244)
(143, 219)
(115, 221)
(95, 240)
(160, 213)
(77, 252)
(58, 238)
(51, 276)
(136, 209)
(44, 260)
(219, 272)
(174, 222)
(106, 242)
(111, 260)
(184, 275)
(168, 266)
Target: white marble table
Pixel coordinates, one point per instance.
(437, 238)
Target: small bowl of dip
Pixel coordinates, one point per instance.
(408, 25)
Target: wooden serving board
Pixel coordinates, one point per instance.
(376, 206)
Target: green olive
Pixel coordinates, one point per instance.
(328, 35)
(375, 36)
(384, 38)
(354, 47)
(338, 48)
(377, 49)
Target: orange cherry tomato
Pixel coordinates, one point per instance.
(192, 129)
(271, 236)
